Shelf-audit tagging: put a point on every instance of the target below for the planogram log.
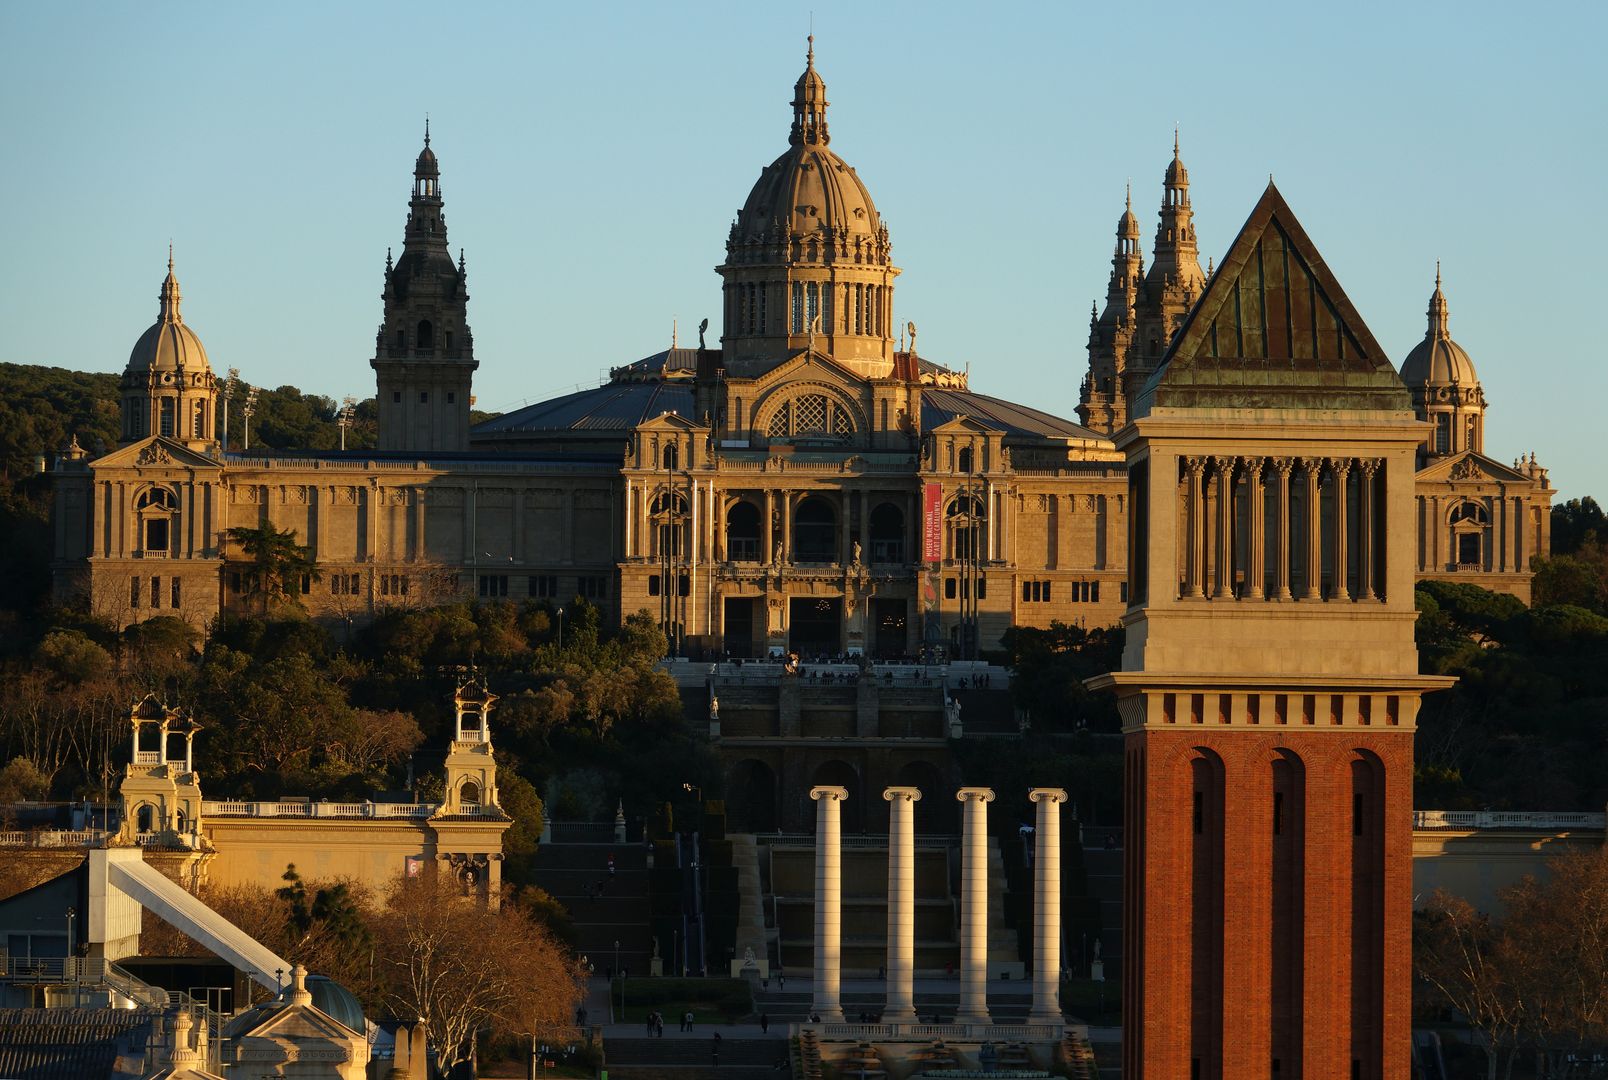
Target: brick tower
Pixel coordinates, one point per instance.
(1270, 684)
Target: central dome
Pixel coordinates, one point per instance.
(808, 262)
(168, 345)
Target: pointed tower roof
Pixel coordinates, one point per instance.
(809, 103)
(1274, 329)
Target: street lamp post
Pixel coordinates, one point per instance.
(560, 629)
(619, 975)
(246, 410)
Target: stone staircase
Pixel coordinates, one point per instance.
(571, 873)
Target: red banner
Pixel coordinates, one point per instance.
(932, 523)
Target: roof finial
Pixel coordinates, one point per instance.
(1128, 194)
(672, 331)
(170, 261)
(1175, 138)
(1437, 275)
(426, 129)
(809, 54)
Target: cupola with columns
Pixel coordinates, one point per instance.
(808, 260)
(1446, 390)
(168, 388)
(424, 353)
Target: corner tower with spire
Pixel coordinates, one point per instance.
(1173, 283)
(1102, 405)
(808, 260)
(424, 353)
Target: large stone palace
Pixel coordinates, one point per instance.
(810, 485)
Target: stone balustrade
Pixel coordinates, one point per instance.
(1502, 819)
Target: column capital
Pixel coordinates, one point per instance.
(1047, 794)
(1254, 465)
(1196, 465)
(980, 794)
(830, 794)
(1284, 465)
(1340, 465)
(1369, 466)
(893, 793)
(1224, 463)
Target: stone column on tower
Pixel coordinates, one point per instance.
(974, 907)
(901, 966)
(1047, 906)
(828, 974)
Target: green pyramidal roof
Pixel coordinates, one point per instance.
(1274, 330)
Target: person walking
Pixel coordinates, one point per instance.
(717, 1048)
(688, 1019)
(764, 1023)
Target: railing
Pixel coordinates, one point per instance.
(928, 1032)
(52, 838)
(1504, 819)
(234, 808)
(147, 757)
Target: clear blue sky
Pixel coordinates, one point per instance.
(594, 155)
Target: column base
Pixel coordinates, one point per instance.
(906, 1015)
(973, 1018)
(828, 1016)
(1045, 1018)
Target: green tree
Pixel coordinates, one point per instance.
(278, 564)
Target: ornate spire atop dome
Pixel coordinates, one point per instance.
(169, 297)
(1438, 313)
(809, 104)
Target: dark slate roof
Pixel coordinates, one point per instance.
(612, 407)
(939, 406)
(1274, 330)
(69, 1044)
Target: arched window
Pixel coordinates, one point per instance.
(967, 516)
(671, 458)
(815, 531)
(965, 460)
(469, 794)
(811, 416)
(1443, 433)
(887, 534)
(166, 417)
(155, 510)
(1470, 523)
(145, 818)
(670, 517)
(742, 533)
(426, 334)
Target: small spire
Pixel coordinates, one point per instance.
(1439, 318)
(1211, 267)
(809, 54)
(1175, 140)
(387, 260)
(1437, 275)
(170, 261)
(672, 331)
(426, 129)
(460, 261)
(1127, 197)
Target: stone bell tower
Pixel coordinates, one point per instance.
(424, 360)
(161, 792)
(1269, 684)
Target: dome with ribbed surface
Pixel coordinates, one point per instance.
(169, 344)
(1438, 360)
(809, 191)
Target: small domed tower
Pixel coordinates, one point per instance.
(1446, 390)
(168, 388)
(808, 260)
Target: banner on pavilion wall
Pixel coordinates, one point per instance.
(932, 523)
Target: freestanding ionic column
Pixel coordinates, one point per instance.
(901, 966)
(1047, 906)
(974, 907)
(828, 974)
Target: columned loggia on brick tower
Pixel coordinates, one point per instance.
(1269, 684)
